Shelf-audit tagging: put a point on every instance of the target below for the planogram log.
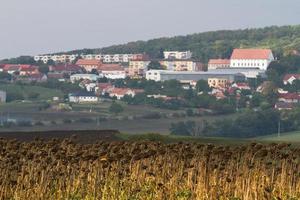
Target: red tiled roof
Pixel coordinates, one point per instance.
(123, 91)
(61, 68)
(9, 67)
(39, 75)
(111, 67)
(242, 84)
(29, 68)
(88, 62)
(119, 91)
(288, 76)
(103, 86)
(290, 96)
(55, 75)
(251, 54)
(219, 61)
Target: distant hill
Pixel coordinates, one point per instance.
(282, 40)
(215, 44)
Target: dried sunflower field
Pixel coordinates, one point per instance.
(63, 169)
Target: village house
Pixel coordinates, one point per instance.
(218, 93)
(83, 97)
(83, 83)
(11, 68)
(251, 58)
(112, 71)
(289, 98)
(90, 87)
(218, 63)
(40, 77)
(78, 77)
(218, 82)
(103, 88)
(27, 70)
(89, 65)
(290, 78)
(119, 93)
(65, 69)
(1, 67)
(284, 106)
(22, 70)
(241, 86)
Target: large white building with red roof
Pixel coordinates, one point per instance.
(251, 58)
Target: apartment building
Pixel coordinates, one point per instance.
(177, 54)
(181, 65)
(138, 68)
(106, 58)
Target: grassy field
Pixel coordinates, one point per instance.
(26, 91)
(292, 137)
(130, 121)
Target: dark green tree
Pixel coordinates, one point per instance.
(116, 108)
(155, 65)
(202, 86)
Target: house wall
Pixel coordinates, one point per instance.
(182, 65)
(161, 75)
(217, 82)
(77, 77)
(217, 66)
(83, 99)
(177, 54)
(138, 67)
(114, 74)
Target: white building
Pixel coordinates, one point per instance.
(177, 54)
(251, 58)
(189, 77)
(56, 58)
(106, 58)
(78, 77)
(112, 71)
(83, 97)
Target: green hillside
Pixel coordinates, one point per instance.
(28, 92)
(207, 45)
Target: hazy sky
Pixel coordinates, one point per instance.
(29, 27)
